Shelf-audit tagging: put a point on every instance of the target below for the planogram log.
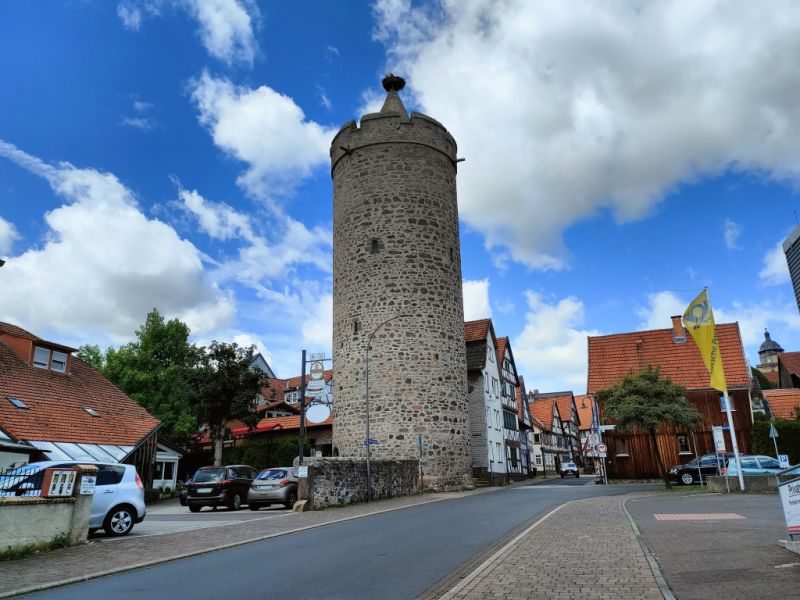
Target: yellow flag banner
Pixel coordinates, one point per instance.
(699, 322)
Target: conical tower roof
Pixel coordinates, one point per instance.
(393, 84)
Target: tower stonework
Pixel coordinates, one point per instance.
(396, 252)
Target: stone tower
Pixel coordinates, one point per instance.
(396, 252)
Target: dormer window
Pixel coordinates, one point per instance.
(59, 362)
(91, 411)
(41, 358)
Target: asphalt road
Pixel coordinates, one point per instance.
(397, 554)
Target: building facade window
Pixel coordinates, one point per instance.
(41, 358)
(499, 452)
(59, 362)
(620, 447)
(683, 445)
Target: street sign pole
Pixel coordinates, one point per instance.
(773, 433)
(699, 470)
(302, 410)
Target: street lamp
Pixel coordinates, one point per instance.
(366, 380)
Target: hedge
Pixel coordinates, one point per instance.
(788, 438)
(264, 454)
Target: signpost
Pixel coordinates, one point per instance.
(784, 460)
(601, 448)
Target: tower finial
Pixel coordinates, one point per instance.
(393, 83)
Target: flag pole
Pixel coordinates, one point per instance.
(734, 443)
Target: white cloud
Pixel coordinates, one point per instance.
(476, 300)
(782, 319)
(774, 270)
(731, 230)
(323, 98)
(264, 129)
(317, 328)
(551, 351)
(8, 235)
(143, 123)
(259, 259)
(660, 307)
(564, 108)
(104, 264)
(226, 26)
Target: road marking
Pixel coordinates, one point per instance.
(698, 517)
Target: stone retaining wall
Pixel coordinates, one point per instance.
(340, 481)
(753, 484)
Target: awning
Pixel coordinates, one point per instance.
(75, 451)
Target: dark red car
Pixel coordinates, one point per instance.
(220, 486)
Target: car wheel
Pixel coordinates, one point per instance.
(182, 500)
(291, 499)
(562, 476)
(119, 521)
(687, 479)
(194, 508)
(577, 475)
(252, 506)
(236, 502)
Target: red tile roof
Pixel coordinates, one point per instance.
(565, 406)
(538, 422)
(294, 382)
(790, 360)
(783, 402)
(584, 405)
(772, 376)
(612, 357)
(521, 397)
(275, 423)
(542, 409)
(475, 331)
(56, 404)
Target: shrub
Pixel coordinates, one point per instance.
(788, 439)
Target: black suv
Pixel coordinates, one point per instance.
(220, 486)
(687, 474)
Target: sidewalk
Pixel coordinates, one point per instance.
(582, 549)
(711, 546)
(104, 557)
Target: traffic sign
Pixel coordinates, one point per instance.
(593, 439)
(371, 442)
(784, 460)
(601, 448)
(607, 427)
(600, 454)
(773, 433)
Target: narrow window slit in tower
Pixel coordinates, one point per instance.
(356, 327)
(451, 254)
(374, 246)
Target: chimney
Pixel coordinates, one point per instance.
(678, 332)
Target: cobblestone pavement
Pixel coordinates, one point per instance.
(102, 556)
(584, 549)
(727, 559)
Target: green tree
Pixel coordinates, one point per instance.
(93, 355)
(765, 383)
(224, 387)
(154, 370)
(646, 401)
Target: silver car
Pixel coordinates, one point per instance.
(118, 502)
(273, 486)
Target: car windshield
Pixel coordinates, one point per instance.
(272, 474)
(569, 465)
(208, 475)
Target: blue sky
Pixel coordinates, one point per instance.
(173, 153)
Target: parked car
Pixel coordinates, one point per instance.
(273, 486)
(184, 492)
(687, 474)
(569, 468)
(754, 465)
(220, 486)
(118, 502)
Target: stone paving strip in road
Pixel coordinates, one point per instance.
(582, 549)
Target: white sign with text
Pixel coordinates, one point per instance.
(790, 499)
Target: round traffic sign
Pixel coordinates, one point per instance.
(601, 448)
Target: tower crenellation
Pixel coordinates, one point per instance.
(396, 252)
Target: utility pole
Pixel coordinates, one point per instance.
(302, 410)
